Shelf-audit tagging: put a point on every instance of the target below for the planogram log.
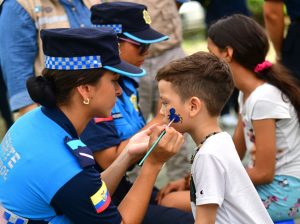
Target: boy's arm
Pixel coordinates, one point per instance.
(206, 214)
(238, 138)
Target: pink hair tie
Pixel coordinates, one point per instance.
(262, 66)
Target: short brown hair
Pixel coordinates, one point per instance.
(202, 75)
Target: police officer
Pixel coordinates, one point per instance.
(47, 172)
(106, 137)
(287, 47)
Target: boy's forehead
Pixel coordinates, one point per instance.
(163, 84)
(166, 89)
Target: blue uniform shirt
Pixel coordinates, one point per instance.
(125, 121)
(18, 47)
(41, 174)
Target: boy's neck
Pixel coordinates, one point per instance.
(204, 128)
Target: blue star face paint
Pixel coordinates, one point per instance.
(173, 116)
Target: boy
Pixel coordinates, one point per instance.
(197, 87)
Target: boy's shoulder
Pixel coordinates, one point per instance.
(217, 141)
(221, 147)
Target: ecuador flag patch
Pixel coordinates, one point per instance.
(101, 199)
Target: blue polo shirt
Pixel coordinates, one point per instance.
(48, 174)
(18, 47)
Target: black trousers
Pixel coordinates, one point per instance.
(291, 49)
(4, 106)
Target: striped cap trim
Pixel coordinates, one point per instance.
(117, 27)
(73, 63)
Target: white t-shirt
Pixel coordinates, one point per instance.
(268, 102)
(220, 178)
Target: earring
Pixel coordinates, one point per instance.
(86, 101)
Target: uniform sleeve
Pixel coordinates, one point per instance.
(18, 48)
(209, 178)
(85, 199)
(100, 136)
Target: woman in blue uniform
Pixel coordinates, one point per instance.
(107, 137)
(47, 172)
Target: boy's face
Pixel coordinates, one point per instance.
(171, 100)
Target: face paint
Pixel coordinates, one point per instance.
(173, 116)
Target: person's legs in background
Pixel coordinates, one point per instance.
(4, 106)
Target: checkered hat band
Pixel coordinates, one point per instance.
(116, 27)
(72, 63)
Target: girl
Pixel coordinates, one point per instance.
(269, 116)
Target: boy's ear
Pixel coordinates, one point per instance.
(195, 106)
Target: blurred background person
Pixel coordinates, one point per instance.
(215, 10)
(20, 48)
(287, 47)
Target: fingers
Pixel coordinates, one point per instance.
(167, 145)
(172, 140)
(165, 191)
(162, 193)
(152, 127)
(156, 131)
(160, 196)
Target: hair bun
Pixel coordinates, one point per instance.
(41, 91)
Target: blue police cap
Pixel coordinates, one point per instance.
(85, 48)
(130, 19)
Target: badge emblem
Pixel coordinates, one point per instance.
(146, 17)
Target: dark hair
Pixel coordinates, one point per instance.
(55, 86)
(202, 75)
(250, 46)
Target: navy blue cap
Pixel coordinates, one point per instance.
(130, 19)
(85, 48)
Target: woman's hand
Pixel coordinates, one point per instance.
(168, 146)
(177, 185)
(139, 143)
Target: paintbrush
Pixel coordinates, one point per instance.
(155, 143)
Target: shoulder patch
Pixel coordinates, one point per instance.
(101, 199)
(81, 152)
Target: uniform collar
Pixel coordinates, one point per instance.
(61, 119)
(122, 82)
